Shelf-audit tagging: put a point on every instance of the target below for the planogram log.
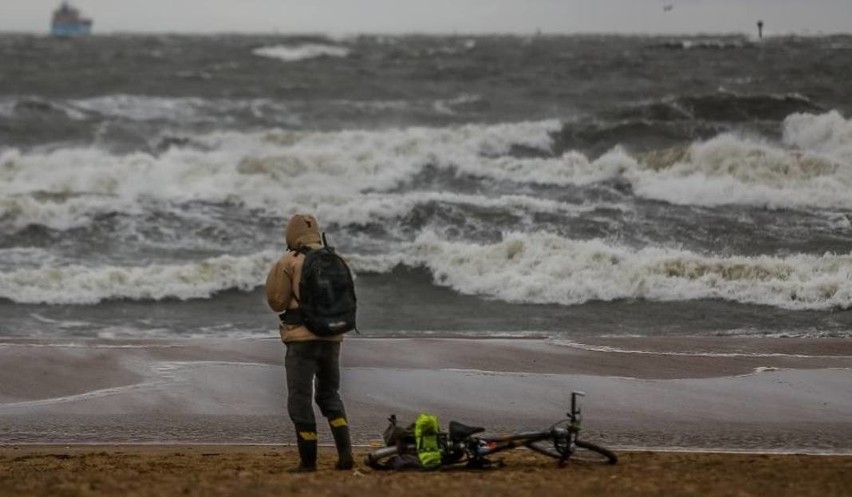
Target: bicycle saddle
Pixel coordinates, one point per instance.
(459, 431)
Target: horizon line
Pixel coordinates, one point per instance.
(539, 33)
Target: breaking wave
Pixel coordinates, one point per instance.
(90, 285)
(271, 171)
(813, 168)
(528, 268)
(329, 172)
(544, 268)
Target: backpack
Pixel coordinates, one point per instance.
(426, 433)
(327, 302)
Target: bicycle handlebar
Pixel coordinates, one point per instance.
(575, 406)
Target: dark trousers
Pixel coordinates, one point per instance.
(304, 362)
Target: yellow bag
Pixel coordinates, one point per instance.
(426, 433)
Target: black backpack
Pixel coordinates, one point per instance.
(327, 303)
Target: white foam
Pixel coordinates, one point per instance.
(731, 169)
(292, 53)
(328, 172)
(9, 107)
(828, 133)
(448, 106)
(705, 44)
(143, 107)
(61, 323)
(274, 171)
(86, 285)
(545, 268)
(538, 268)
(20, 257)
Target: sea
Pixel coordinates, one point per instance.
(479, 186)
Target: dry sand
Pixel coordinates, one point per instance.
(256, 470)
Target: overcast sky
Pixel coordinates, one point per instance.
(442, 16)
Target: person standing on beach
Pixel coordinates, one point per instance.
(309, 358)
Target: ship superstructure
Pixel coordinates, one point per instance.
(67, 21)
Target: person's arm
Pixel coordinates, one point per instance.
(279, 290)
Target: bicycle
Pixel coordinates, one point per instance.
(462, 445)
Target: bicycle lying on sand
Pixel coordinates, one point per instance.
(462, 445)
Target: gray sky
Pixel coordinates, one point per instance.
(442, 16)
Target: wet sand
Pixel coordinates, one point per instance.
(256, 470)
(757, 394)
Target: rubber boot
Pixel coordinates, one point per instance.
(343, 443)
(306, 438)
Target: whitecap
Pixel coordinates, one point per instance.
(292, 53)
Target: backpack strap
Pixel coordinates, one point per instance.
(303, 250)
(294, 316)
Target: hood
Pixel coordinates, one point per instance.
(302, 229)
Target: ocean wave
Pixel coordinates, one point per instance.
(143, 107)
(273, 171)
(292, 53)
(89, 285)
(544, 268)
(134, 113)
(828, 133)
(24, 257)
(722, 106)
(536, 268)
(29, 107)
(378, 208)
(703, 44)
(638, 135)
(462, 103)
(179, 111)
(813, 169)
(332, 172)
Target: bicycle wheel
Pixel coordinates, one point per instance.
(592, 453)
(546, 448)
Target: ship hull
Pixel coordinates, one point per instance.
(71, 29)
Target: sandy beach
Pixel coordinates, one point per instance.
(206, 417)
(260, 470)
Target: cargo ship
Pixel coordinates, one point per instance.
(68, 22)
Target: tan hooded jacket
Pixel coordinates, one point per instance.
(282, 282)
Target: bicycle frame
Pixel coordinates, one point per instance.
(564, 439)
(462, 445)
